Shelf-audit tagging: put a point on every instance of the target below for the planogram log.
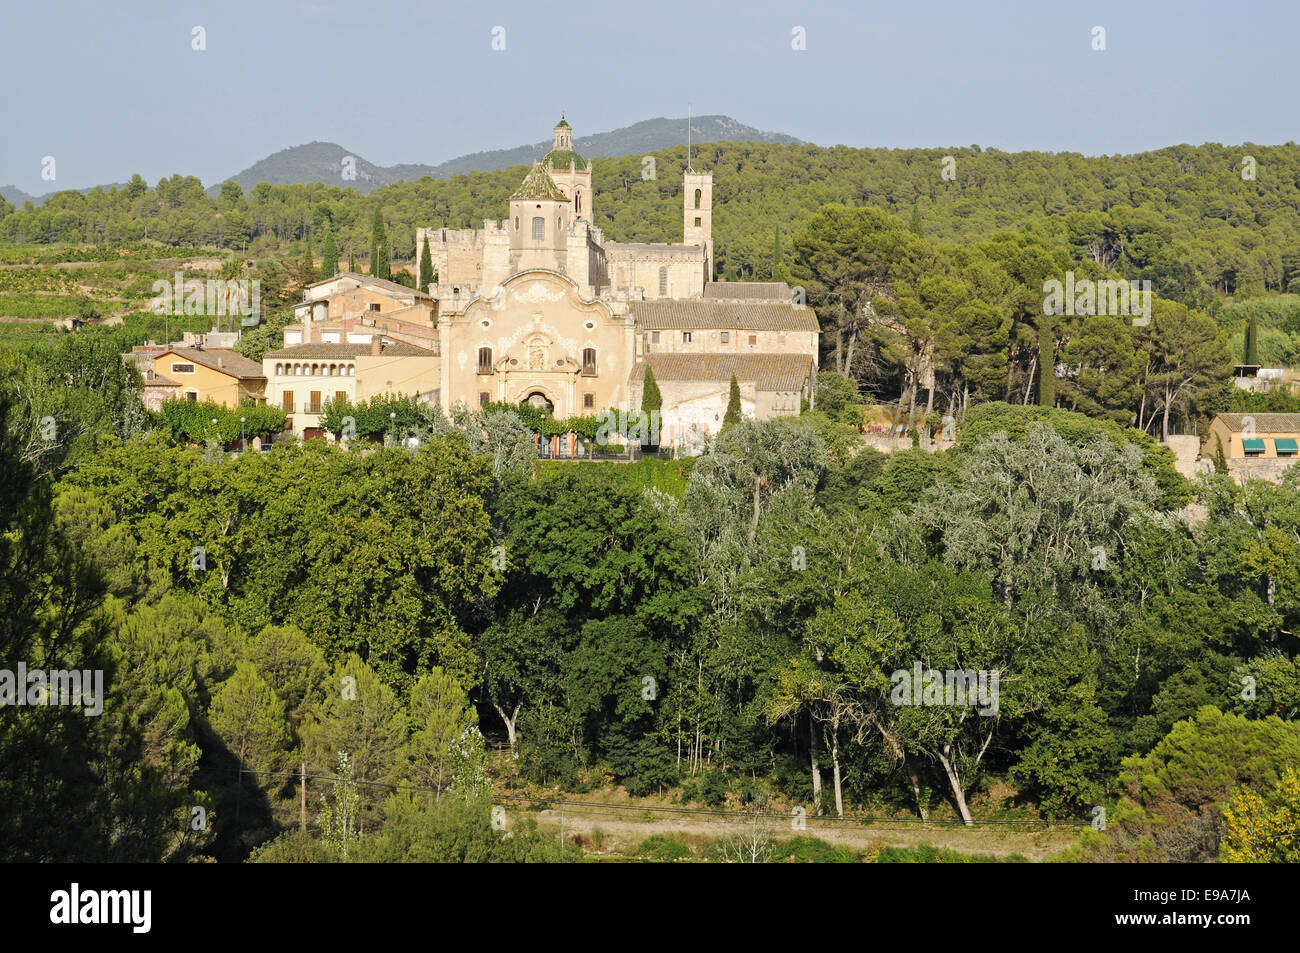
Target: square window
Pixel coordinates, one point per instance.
(588, 400)
(654, 337)
(753, 339)
(484, 398)
(697, 223)
(725, 337)
(686, 337)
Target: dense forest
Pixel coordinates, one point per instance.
(370, 614)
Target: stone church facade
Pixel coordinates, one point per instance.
(542, 307)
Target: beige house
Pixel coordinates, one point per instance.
(1255, 446)
(1261, 436)
(301, 378)
(202, 373)
(349, 308)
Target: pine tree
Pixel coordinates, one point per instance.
(426, 267)
(733, 404)
(329, 265)
(1046, 368)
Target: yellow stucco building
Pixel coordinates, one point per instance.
(199, 373)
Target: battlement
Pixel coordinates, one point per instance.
(459, 237)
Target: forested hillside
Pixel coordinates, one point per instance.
(1183, 217)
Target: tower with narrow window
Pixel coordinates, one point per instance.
(570, 172)
(539, 223)
(697, 213)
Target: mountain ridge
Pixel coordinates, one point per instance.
(320, 161)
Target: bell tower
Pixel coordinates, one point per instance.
(563, 137)
(697, 213)
(570, 172)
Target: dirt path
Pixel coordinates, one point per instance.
(624, 830)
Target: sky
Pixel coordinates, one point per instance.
(110, 89)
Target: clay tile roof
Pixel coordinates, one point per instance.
(218, 359)
(747, 290)
(539, 186)
(768, 371)
(336, 351)
(694, 313)
(381, 283)
(153, 379)
(1264, 423)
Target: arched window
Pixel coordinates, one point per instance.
(539, 228)
(699, 194)
(485, 360)
(279, 369)
(577, 201)
(589, 360)
(559, 224)
(516, 223)
(663, 282)
(297, 370)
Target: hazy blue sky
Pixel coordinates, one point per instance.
(112, 88)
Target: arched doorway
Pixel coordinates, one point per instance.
(540, 401)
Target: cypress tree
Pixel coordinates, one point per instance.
(1252, 341)
(379, 266)
(352, 261)
(733, 404)
(329, 265)
(776, 253)
(307, 265)
(426, 266)
(651, 399)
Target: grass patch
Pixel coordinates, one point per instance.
(664, 848)
(926, 854)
